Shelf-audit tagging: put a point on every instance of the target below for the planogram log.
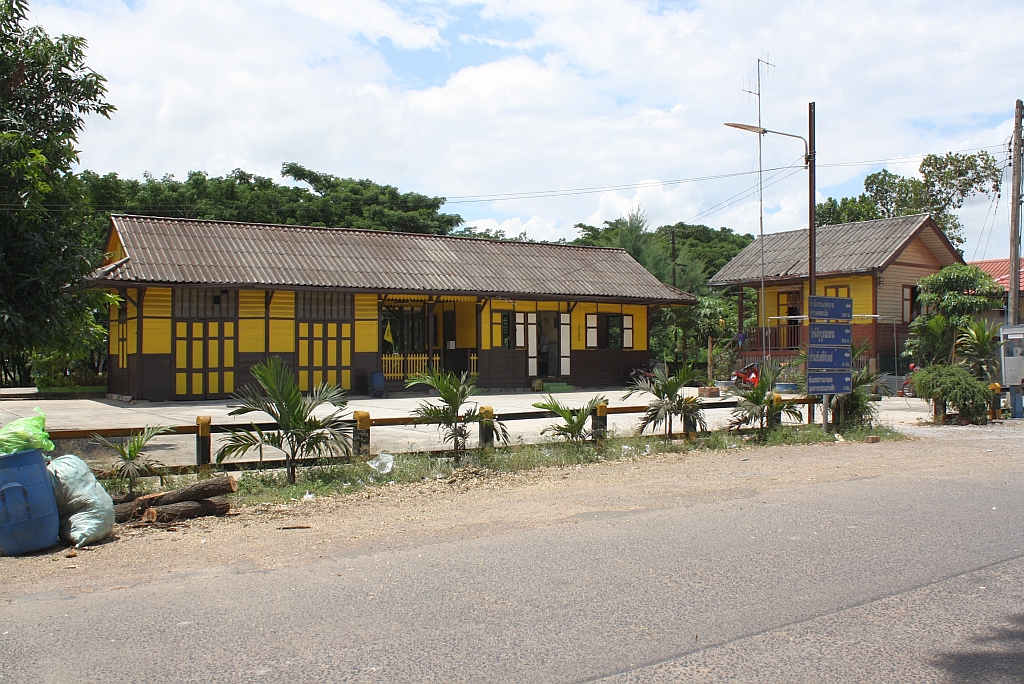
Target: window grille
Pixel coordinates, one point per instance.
(324, 306)
(205, 303)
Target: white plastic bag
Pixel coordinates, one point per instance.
(86, 510)
(382, 464)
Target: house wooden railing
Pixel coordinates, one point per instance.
(401, 366)
(774, 337)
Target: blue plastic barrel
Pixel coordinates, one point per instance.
(28, 508)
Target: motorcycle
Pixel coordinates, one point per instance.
(746, 376)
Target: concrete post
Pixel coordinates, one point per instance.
(486, 427)
(203, 445)
(599, 422)
(361, 435)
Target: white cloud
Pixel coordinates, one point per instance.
(584, 94)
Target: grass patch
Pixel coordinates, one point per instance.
(332, 478)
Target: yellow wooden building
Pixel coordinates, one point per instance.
(203, 301)
(876, 263)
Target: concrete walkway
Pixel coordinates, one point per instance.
(87, 414)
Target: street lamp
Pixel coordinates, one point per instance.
(811, 218)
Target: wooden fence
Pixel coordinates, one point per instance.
(361, 426)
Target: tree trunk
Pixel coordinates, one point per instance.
(187, 509)
(204, 489)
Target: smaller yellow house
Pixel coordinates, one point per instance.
(876, 263)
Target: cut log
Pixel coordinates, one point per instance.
(204, 489)
(198, 491)
(188, 509)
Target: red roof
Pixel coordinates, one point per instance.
(1000, 270)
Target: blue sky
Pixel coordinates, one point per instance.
(460, 98)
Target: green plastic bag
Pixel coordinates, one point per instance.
(86, 510)
(25, 433)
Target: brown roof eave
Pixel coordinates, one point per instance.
(682, 301)
(793, 279)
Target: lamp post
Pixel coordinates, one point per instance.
(812, 237)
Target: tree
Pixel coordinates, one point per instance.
(454, 392)
(47, 245)
(300, 434)
(959, 291)
(131, 463)
(978, 346)
(573, 428)
(760, 406)
(667, 400)
(329, 200)
(946, 182)
(950, 299)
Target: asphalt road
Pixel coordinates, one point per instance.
(908, 577)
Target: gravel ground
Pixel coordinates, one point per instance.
(473, 504)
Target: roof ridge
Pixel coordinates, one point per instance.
(293, 226)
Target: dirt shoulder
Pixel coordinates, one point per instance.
(257, 538)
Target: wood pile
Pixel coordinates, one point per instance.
(206, 497)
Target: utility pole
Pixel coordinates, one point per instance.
(812, 233)
(1012, 297)
(673, 256)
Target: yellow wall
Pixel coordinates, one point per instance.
(133, 321)
(639, 313)
(156, 321)
(579, 324)
(861, 291)
(465, 325)
(282, 321)
(485, 326)
(366, 323)
(252, 324)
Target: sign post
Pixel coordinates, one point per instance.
(829, 354)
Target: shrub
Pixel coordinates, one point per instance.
(954, 385)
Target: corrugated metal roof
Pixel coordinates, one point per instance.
(1000, 270)
(844, 248)
(212, 253)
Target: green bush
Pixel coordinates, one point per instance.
(954, 386)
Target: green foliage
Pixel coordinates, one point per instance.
(760, 406)
(958, 291)
(453, 423)
(574, 421)
(240, 196)
(132, 463)
(856, 408)
(930, 341)
(978, 346)
(946, 182)
(847, 210)
(951, 297)
(668, 401)
(954, 385)
(301, 434)
(47, 246)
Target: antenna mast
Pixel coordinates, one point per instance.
(1013, 296)
(763, 318)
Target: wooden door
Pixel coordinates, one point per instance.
(204, 359)
(325, 354)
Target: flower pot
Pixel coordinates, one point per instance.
(707, 392)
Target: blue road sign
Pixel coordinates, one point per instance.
(830, 334)
(829, 358)
(829, 383)
(830, 308)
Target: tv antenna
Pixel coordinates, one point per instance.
(756, 94)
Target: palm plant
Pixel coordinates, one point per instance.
(668, 400)
(300, 434)
(574, 428)
(978, 346)
(132, 464)
(759, 405)
(454, 392)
